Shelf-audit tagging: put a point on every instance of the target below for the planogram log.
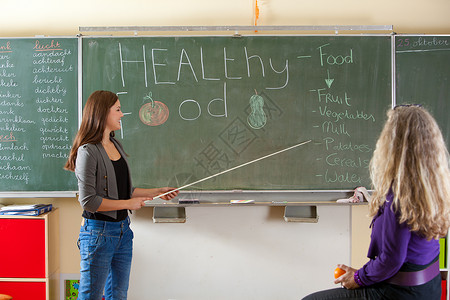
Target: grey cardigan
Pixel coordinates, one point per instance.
(96, 177)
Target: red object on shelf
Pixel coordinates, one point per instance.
(444, 289)
(24, 290)
(23, 248)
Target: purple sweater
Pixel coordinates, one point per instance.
(393, 244)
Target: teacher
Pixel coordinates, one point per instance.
(106, 194)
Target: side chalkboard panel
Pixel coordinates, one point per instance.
(423, 75)
(196, 106)
(38, 113)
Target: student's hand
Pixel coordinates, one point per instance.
(347, 280)
(137, 202)
(169, 196)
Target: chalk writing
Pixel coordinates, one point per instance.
(8, 137)
(345, 156)
(6, 64)
(330, 98)
(35, 90)
(330, 59)
(52, 90)
(327, 89)
(422, 42)
(160, 65)
(46, 46)
(5, 47)
(217, 107)
(345, 115)
(345, 177)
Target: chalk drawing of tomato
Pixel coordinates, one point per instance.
(153, 113)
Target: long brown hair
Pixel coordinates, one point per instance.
(412, 159)
(95, 114)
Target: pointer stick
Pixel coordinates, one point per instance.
(234, 168)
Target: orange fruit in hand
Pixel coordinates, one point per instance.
(338, 272)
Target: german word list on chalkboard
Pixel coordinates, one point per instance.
(38, 113)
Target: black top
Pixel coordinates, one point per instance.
(121, 170)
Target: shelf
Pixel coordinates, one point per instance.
(32, 267)
(264, 197)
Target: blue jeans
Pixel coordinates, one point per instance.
(106, 250)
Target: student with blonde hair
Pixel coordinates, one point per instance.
(410, 207)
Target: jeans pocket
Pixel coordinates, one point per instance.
(90, 243)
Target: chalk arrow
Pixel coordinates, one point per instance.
(329, 81)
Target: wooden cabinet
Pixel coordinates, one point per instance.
(30, 256)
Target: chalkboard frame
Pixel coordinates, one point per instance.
(292, 197)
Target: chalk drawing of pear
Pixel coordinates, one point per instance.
(257, 117)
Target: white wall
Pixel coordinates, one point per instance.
(55, 17)
(237, 253)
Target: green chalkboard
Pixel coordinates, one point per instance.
(423, 75)
(38, 113)
(196, 106)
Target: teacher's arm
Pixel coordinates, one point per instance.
(152, 193)
(89, 198)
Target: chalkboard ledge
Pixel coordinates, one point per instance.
(294, 211)
(284, 204)
(256, 197)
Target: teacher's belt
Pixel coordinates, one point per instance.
(415, 278)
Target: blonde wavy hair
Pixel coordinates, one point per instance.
(411, 157)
